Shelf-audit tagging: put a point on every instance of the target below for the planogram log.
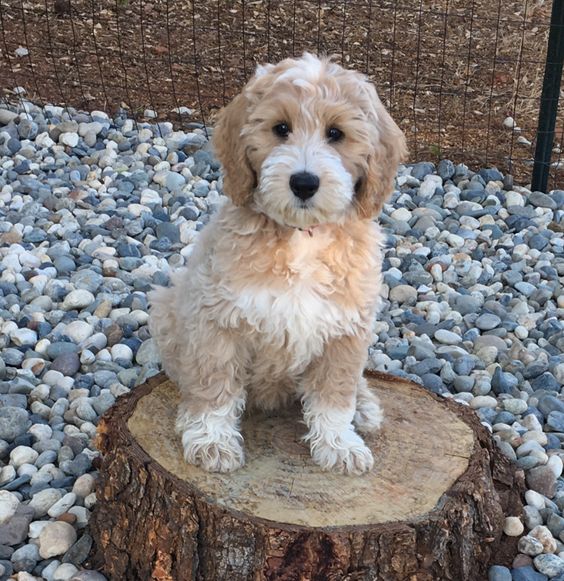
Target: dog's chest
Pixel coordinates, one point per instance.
(300, 310)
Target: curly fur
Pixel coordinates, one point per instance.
(278, 299)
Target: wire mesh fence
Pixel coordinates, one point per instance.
(463, 78)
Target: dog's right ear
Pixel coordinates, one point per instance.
(239, 178)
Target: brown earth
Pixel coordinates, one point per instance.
(450, 70)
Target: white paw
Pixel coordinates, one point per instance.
(344, 453)
(368, 416)
(222, 456)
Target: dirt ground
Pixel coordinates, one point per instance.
(450, 71)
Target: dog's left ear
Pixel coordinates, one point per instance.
(239, 179)
(388, 150)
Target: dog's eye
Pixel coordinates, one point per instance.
(335, 134)
(281, 129)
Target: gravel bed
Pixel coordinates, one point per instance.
(94, 211)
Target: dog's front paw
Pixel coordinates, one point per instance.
(223, 456)
(368, 416)
(344, 453)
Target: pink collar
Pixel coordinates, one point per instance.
(309, 230)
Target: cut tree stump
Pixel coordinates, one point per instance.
(432, 509)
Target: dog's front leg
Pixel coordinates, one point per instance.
(212, 402)
(329, 402)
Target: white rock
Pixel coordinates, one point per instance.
(521, 332)
(149, 197)
(84, 485)
(7, 116)
(543, 534)
(78, 331)
(7, 474)
(535, 499)
(24, 337)
(53, 377)
(429, 185)
(403, 293)
(78, 299)
(455, 240)
(104, 252)
(483, 401)
(513, 527)
(121, 351)
(49, 571)
(514, 199)
(509, 123)
(532, 516)
(23, 455)
(90, 500)
(64, 572)
(530, 546)
(44, 141)
(56, 539)
(87, 357)
(36, 527)
(556, 465)
(539, 437)
(41, 431)
(25, 576)
(515, 406)
(27, 470)
(70, 139)
(62, 505)
(43, 500)
(8, 506)
(447, 337)
(401, 215)
(531, 422)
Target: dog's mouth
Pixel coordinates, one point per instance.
(304, 204)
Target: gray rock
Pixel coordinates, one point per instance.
(555, 421)
(25, 558)
(421, 169)
(88, 576)
(463, 383)
(88, 280)
(174, 181)
(403, 294)
(538, 242)
(487, 322)
(15, 531)
(466, 304)
(550, 565)
(541, 200)
(550, 403)
(67, 363)
(546, 381)
(542, 480)
(148, 354)
(503, 382)
(7, 116)
(555, 524)
(527, 574)
(14, 422)
(445, 169)
(78, 553)
(499, 573)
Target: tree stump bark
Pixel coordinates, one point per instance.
(432, 509)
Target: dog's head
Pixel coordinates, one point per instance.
(308, 142)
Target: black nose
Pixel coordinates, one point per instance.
(304, 184)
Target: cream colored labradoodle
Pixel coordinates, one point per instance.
(279, 295)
